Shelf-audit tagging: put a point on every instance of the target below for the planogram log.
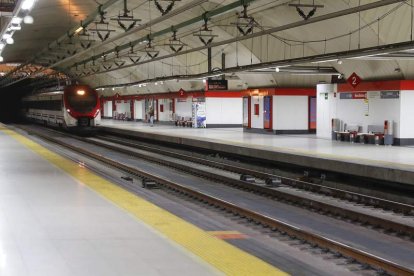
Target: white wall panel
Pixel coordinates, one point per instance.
(355, 111)
(108, 109)
(257, 120)
(139, 110)
(183, 107)
(224, 111)
(407, 114)
(326, 109)
(123, 107)
(290, 112)
(166, 115)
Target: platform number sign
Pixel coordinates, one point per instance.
(354, 80)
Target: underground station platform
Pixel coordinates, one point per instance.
(206, 137)
(60, 218)
(393, 163)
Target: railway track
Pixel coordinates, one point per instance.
(326, 244)
(388, 225)
(375, 202)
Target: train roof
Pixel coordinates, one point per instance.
(44, 96)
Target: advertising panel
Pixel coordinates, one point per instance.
(199, 114)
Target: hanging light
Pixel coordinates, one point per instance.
(6, 36)
(28, 19)
(27, 4)
(16, 20)
(10, 40)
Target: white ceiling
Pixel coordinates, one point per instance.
(53, 18)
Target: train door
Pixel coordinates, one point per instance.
(246, 112)
(312, 113)
(267, 112)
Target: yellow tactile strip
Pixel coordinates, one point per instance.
(221, 255)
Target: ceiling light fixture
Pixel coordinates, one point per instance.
(10, 40)
(16, 20)
(28, 4)
(28, 19)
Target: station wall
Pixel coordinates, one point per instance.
(123, 107)
(358, 112)
(183, 107)
(164, 108)
(326, 109)
(224, 112)
(291, 113)
(107, 109)
(139, 110)
(371, 103)
(257, 112)
(407, 115)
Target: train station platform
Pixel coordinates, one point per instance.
(59, 218)
(389, 163)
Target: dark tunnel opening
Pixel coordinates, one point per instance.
(10, 103)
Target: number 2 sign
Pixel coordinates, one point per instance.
(354, 80)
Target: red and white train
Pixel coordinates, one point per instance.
(77, 106)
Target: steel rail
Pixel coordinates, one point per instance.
(275, 224)
(376, 202)
(316, 205)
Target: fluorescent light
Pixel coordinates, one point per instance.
(78, 30)
(27, 4)
(10, 40)
(16, 20)
(15, 27)
(28, 19)
(328, 60)
(7, 35)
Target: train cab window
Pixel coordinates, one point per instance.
(82, 102)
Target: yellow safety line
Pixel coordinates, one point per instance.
(218, 253)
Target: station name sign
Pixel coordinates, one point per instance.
(353, 96)
(217, 85)
(390, 94)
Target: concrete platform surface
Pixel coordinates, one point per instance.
(391, 163)
(51, 224)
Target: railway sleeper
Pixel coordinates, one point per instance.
(247, 178)
(149, 184)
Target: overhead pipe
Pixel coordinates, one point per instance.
(313, 20)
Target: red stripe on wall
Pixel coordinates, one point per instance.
(377, 86)
(221, 94)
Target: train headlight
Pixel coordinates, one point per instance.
(80, 92)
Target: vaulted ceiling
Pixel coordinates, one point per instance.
(114, 62)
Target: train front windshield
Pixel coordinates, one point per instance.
(82, 100)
